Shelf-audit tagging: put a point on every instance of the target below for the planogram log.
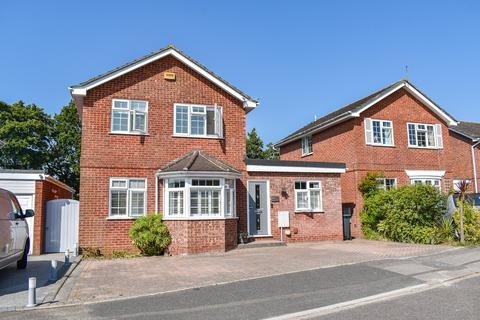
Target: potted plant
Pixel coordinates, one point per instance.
(242, 236)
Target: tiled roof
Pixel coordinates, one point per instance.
(346, 110)
(291, 163)
(145, 57)
(198, 161)
(468, 129)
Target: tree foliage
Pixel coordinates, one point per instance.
(370, 183)
(407, 214)
(256, 150)
(150, 235)
(32, 139)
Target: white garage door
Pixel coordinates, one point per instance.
(61, 232)
(26, 202)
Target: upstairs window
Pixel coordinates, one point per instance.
(129, 116)
(198, 120)
(307, 146)
(308, 196)
(378, 132)
(425, 135)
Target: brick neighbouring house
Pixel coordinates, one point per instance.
(398, 131)
(33, 189)
(163, 134)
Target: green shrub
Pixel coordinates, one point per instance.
(369, 184)
(471, 223)
(445, 231)
(150, 235)
(405, 214)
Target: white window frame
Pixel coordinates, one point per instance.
(129, 191)
(437, 135)
(308, 190)
(189, 187)
(131, 114)
(218, 120)
(307, 145)
(414, 181)
(383, 183)
(369, 133)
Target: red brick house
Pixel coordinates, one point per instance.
(397, 130)
(163, 134)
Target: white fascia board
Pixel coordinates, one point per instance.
(21, 176)
(82, 91)
(437, 174)
(193, 174)
(417, 94)
(259, 168)
(342, 117)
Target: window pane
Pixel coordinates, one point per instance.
(119, 184)
(210, 122)
(176, 183)
(203, 202)
(181, 124)
(421, 139)
(120, 104)
(314, 185)
(139, 122)
(228, 202)
(137, 184)
(118, 205)
(198, 109)
(315, 200)
(138, 105)
(215, 202)
(377, 134)
(389, 184)
(300, 185)
(137, 203)
(175, 203)
(412, 138)
(302, 199)
(387, 136)
(194, 203)
(431, 136)
(119, 121)
(198, 124)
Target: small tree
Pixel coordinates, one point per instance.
(254, 145)
(150, 235)
(462, 186)
(370, 183)
(271, 153)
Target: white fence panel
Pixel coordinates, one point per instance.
(62, 223)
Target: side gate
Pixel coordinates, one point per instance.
(61, 225)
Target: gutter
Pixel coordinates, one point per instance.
(474, 164)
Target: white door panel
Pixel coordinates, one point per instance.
(27, 202)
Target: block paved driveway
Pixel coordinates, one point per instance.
(96, 280)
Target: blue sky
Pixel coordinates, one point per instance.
(300, 58)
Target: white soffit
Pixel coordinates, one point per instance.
(436, 174)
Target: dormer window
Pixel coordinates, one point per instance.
(198, 120)
(307, 146)
(129, 116)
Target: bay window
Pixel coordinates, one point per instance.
(308, 196)
(424, 135)
(196, 198)
(198, 120)
(129, 116)
(127, 197)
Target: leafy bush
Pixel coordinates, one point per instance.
(471, 223)
(369, 184)
(406, 214)
(445, 231)
(150, 235)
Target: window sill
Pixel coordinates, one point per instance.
(307, 154)
(198, 218)
(128, 133)
(308, 211)
(122, 218)
(196, 137)
(382, 145)
(424, 148)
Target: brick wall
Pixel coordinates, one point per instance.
(326, 225)
(346, 143)
(106, 155)
(45, 190)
